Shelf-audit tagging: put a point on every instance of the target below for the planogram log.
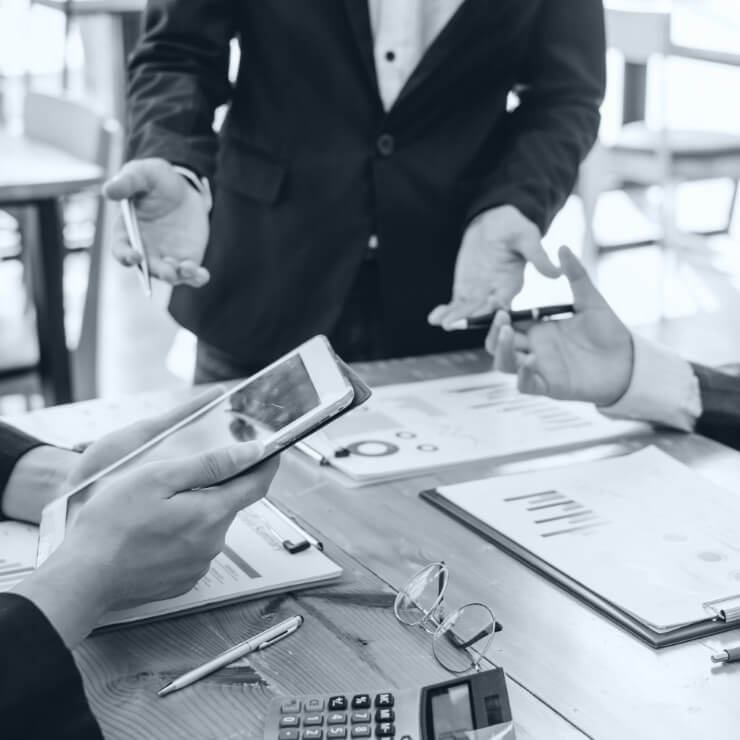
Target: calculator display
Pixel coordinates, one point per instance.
(452, 712)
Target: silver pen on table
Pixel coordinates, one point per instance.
(258, 642)
(728, 655)
(134, 236)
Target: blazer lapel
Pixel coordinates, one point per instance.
(359, 18)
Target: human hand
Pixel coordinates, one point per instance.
(145, 535)
(173, 219)
(490, 265)
(586, 358)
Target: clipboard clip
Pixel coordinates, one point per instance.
(727, 609)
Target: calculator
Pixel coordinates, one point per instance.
(475, 706)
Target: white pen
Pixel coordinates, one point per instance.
(134, 236)
(258, 642)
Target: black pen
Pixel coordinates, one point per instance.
(528, 314)
(728, 655)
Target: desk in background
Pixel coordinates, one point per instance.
(37, 175)
(572, 674)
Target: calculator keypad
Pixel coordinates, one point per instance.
(345, 718)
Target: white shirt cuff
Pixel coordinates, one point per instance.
(199, 183)
(663, 389)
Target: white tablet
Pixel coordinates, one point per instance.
(289, 399)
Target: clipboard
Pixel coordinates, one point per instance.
(706, 628)
(641, 539)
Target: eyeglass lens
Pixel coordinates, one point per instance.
(463, 638)
(419, 601)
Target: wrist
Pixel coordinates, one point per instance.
(37, 479)
(626, 368)
(71, 591)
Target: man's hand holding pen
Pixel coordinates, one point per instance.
(173, 220)
(588, 357)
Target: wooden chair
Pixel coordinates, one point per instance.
(74, 128)
(643, 156)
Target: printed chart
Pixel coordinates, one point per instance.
(415, 427)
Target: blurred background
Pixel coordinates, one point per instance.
(653, 213)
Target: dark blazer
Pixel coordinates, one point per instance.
(41, 692)
(308, 165)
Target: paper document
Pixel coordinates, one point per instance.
(643, 531)
(416, 427)
(253, 563)
(18, 543)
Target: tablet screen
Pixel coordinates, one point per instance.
(255, 411)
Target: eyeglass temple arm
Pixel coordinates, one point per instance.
(457, 642)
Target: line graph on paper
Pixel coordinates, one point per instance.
(554, 514)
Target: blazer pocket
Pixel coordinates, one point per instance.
(249, 172)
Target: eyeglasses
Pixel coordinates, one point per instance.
(461, 638)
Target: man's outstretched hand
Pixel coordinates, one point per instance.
(173, 219)
(490, 265)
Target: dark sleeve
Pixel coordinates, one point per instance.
(557, 121)
(720, 398)
(13, 445)
(41, 691)
(178, 76)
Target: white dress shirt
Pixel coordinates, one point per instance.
(403, 30)
(663, 389)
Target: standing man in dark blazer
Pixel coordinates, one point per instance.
(367, 169)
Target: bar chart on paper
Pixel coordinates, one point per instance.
(417, 427)
(555, 514)
(18, 543)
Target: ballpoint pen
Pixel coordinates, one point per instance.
(728, 655)
(258, 642)
(134, 236)
(529, 314)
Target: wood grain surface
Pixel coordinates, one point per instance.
(350, 640)
(572, 673)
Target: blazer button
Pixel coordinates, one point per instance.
(386, 144)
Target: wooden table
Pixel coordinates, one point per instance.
(572, 674)
(34, 174)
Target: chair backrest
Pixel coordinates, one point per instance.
(73, 127)
(638, 31)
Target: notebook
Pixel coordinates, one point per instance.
(414, 428)
(642, 538)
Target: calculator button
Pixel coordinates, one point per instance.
(384, 701)
(291, 707)
(336, 732)
(362, 731)
(385, 715)
(313, 719)
(290, 720)
(361, 718)
(385, 730)
(314, 705)
(338, 704)
(361, 701)
(288, 735)
(337, 718)
(313, 733)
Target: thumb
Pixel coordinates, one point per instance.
(535, 253)
(137, 177)
(585, 294)
(209, 468)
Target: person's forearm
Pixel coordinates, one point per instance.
(178, 76)
(71, 591)
(36, 480)
(553, 129)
